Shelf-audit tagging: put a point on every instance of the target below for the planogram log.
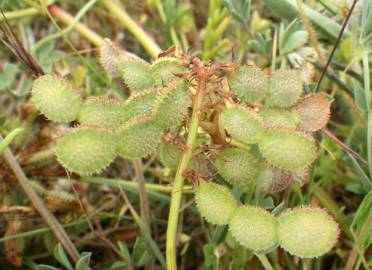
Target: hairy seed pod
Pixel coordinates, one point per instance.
(286, 87)
(39, 188)
(237, 166)
(243, 124)
(138, 137)
(254, 228)
(136, 75)
(164, 70)
(102, 112)
(140, 103)
(307, 232)
(59, 200)
(288, 149)
(172, 105)
(215, 203)
(277, 117)
(170, 155)
(314, 111)
(249, 83)
(55, 97)
(86, 150)
(111, 57)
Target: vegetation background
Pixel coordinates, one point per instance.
(63, 36)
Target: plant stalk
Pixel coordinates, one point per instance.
(265, 261)
(147, 42)
(367, 89)
(144, 202)
(171, 240)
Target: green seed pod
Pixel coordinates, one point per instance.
(249, 83)
(172, 105)
(276, 117)
(164, 70)
(285, 88)
(138, 137)
(39, 188)
(56, 98)
(86, 150)
(254, 228)
(141, 103)
(215, 203)
(136, 75)
(102, 112)
(237, 166)
(111, 57)
(288, 149)
(170, 155)
(314, 111)
(307, 232)
(243, 124)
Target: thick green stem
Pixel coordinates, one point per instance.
(265, 261)
(23, 13)
(171, 242)
(147, 42)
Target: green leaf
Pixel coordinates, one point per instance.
(123, 247)
(84, 261)
(362, 225)
(9, 139)
(295, 41)
(8, 75)
(47, 267)
(365, 181)
(61, 257)
(209, 257)
(359, 97)
(140, 253)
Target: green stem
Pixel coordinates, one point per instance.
(265, 262)
(70, 27)
(367, 89)
(23, 13)
(171, 242)
(147, 42)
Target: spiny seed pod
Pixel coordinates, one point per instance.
(237, 166)
(56, 98)
(307, 232)
(57, 200)
(37, 187)
(215, 203)
(286, 87)
(141, 103)
(254, 228)
(102, 112)
(276, 117)
(138, 137)
(172, 105)
(314, 111)
(111, 57)
(86, 150)
(136, 75)
(288, 149)
(243, 124)
(249, 83)
(164, 70)
(273, 180)
(170, 155)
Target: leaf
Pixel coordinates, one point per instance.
(359, 97)
(295, 41)
(61, 256)
(8, 75)
(365, 181)
(209, 257)
(9, 139)
(84, 261)
(140, 253)
(46, 267)
(361, 218)
(123, 247)
(240, 11)
(366, 20)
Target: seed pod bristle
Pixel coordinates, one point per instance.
(138, 137)
(277, 117)
(286, 87)
(254, 228)
(111, 57)
(314, 111)
(86, 150)
(243, 124)
(102, 112)
(288, 149)
(249, 83)
(56, 98)
(215, 203)
(237, 166)
(136, 75)
(164, 70)
(172, 105)
(307, 232)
